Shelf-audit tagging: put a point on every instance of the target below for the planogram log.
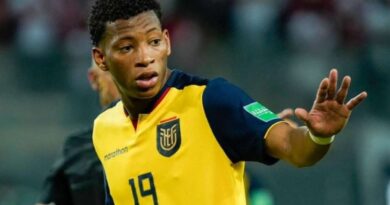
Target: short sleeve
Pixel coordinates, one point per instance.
(238, 122)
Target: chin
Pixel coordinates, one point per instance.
(146, 94)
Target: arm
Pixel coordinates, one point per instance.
(328, 116)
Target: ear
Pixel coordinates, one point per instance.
(99, 58)
(166, 36)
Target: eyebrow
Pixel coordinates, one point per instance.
(129, 37)
(126, 38)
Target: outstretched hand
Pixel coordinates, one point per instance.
(330, 113)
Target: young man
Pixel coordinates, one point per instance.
(77, 178)
(179, 139)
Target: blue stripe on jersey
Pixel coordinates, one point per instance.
(179, 80)
(240, 134)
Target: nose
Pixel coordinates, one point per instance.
(144, 57)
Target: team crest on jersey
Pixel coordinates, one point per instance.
(168, 137)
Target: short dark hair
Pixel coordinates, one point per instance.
(104, 11)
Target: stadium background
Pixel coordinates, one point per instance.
(277, 50)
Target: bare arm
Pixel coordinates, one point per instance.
(328, 116)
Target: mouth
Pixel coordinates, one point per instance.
(146, 80)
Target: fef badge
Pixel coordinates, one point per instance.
(168, 137)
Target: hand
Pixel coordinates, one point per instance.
(330, 113)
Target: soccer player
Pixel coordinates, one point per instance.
(179, 139)
(77, 178)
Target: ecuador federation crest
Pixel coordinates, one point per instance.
(168, 137)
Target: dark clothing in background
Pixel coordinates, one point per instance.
(77, 177)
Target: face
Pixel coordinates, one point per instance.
(102, 82)
(135, 52)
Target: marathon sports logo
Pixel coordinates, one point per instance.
(116, 153)
(168, 137)
(260, 112)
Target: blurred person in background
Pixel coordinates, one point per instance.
(180, 139)
(8, 24)
(77, 177)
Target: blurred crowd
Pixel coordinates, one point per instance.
(50, 38)
(274, 49)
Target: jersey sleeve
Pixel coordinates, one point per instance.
(238, 122)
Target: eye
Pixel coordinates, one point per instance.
(126, 48)
(155, 42)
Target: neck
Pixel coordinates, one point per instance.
(135, 106)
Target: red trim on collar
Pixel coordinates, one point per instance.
(161, 98)
(135, 123)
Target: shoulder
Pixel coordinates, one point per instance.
(180, 80)
(221, 94)
(108, 120)
(111, 115)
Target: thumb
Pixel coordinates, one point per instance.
(301, 114)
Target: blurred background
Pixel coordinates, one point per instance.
(276, 50)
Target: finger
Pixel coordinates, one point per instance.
(288, 112)
(322, 90)
(302, 114)
(343, 91)
(356, 100)
(332, 84)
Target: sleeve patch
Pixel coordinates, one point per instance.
(260, 112)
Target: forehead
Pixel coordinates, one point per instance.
(140, 23)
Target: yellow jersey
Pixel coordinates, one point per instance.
(189, 149)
